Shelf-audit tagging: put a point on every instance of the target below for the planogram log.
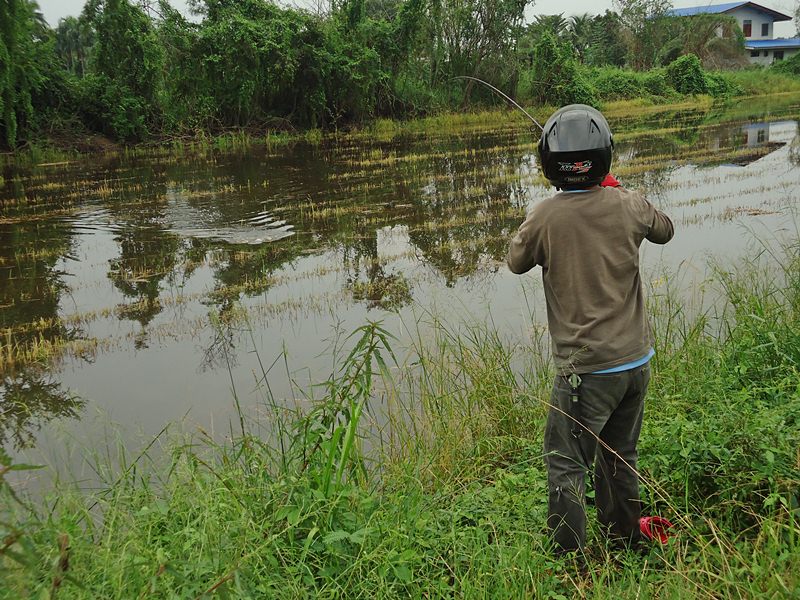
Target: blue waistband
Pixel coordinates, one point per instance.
(628, 365)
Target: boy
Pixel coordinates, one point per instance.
(586, 238)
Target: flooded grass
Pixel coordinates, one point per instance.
(100, 254)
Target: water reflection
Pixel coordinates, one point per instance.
(147, 257)
(121, 253)
(28, 400)
(33, 279)
(367, 276)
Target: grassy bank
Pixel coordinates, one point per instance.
(446, 496)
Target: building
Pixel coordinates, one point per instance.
(757, 23)
(764, 52)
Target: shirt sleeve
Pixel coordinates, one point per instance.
(521, 256)
(659, 226)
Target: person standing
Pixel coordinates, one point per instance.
(586, 239)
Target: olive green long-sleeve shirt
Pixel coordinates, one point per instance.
(587, 244)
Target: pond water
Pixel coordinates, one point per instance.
(149, 288)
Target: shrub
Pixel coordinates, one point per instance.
(620, 84)
(790, 66)
(111, 107)
(617, 84)
(686, 75)
(655, 83)
(720, 86)
(554, 77)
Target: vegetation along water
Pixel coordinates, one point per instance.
(256, 327)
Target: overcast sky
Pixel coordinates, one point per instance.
(56, 9)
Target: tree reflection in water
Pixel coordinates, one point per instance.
(28, 400)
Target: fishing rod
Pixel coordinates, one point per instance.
(511, 100)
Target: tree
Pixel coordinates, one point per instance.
(122, 92)
(27, 65)
(606, 41)
(74, 40)
(797, 18)
(686, 75)
(557, 25)
(641, 20)
(580, 33)
(473, 37)
(8, 46)
(554, 77)
(716, 39)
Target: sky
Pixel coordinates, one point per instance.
(54, 10)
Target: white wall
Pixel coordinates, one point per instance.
(767, 60)
(758, 18)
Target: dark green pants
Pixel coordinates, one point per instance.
(611, 408)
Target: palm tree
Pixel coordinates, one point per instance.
(555, 24)
(580, 33)
(74, 40)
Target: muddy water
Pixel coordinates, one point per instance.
(147, 289)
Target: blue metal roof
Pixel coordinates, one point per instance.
(703, 10)
(779, 44)
(727, 7)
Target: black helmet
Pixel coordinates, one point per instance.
(575, 147)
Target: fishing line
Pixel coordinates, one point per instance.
(511, 100)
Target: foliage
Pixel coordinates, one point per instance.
(606, 42)
(719, 85)
(596, 41)
(554, 77)
(30, 83)
(121, 94)
(789, 66)
(642, 22)
(620, 84)
(135, 70)
(716, 39)
(473, 38)
(74, 41)
(686, 75)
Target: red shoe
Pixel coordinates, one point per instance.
(655, 528)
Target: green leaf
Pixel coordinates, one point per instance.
(357, 537)
(24, 467)
(336, 536)
(403, 573)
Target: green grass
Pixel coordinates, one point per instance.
(760, 81)
(448, 497)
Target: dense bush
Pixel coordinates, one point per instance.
(656, 84)
(790, 66)
(613, 84)
(132, 70)
(620, 84)
(721, 86)
(554, 77)
(686, 75)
